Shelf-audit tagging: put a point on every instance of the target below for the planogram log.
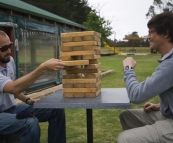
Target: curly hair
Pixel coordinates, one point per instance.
(163, 24)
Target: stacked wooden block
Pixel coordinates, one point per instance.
(81, 52)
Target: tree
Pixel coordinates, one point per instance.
(98, 24)
(161, 5)
(74, 10)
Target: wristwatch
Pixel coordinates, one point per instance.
(127, 68)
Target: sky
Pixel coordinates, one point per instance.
(126, 16)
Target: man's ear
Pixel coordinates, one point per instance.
(166, 35)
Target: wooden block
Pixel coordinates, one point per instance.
(78, 38)
(92, 85)
(70, 68)
(93, 94)
(76, 62)
(67, 85)
(79, 85)
(93, 75)
(77, 53)
(71, 76)
(67, 94)
(80, 89)
(78, 80)
(70, 58)
(91, 38)
(66, 49)
(92, 66)
(83, 43)
(79, 70)
(98, 52)
(66, 39)
(89, 57)
(78, 48)
(84, 33)
(79, 94)
(89, 48)
(94, 61)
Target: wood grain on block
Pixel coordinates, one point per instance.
(79, 85)
(84, 33)
(89, 85)
(83, 43)
(89, 48)
(76, 62)
(91, 38)
(66, 58)
(78, 48)
(77, 53)
(78, 70)
(97, 52)
(66, 49)
(78, 39)
(93, 75)
(79, 94)
(71, 76)
(71, 68)
(80, 89)
(66, 39)
(79, 80)
(67, 94)
(93, 94)
(93, 61)
(68, 85)
(89, 57)
(92, 66)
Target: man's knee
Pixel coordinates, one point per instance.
(125, 137)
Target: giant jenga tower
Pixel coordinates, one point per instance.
(81, 52)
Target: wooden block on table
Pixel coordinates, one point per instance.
(93, 75)
(80, 89)
(89, 57)
(66, 39)
(92, 66)
(76, 62)
(68, 85)
(79, 70)
(71, 76)
(91, 38)
(79, 85)
(79, 94)
(93, 94)
(78, 48)
(89, 48)
(78, 39)
(77, 53)
(90, 85)
(93, 61)
(83, 43)
(79, 80)
(66, 49)
(67, 94)
(84, 33)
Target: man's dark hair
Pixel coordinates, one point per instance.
(163, 24)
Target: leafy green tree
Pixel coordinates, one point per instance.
(74, 10)
(161, 5)
(99, 24)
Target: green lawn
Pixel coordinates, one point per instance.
(106, 123)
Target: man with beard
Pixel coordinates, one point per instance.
(153, 123)
(23, 120)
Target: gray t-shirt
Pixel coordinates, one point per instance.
(7, 74)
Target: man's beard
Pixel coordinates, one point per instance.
(5, 60)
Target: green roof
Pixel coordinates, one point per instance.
(26, 8)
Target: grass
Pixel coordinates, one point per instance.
(106, 123)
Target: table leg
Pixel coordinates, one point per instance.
(89, 125)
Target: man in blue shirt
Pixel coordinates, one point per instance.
(153, 123)
(23, 120)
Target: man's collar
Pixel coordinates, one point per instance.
(166, 56)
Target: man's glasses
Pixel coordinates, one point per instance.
(6, 47)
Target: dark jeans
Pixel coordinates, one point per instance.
(28, 128)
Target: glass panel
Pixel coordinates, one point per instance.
(35, 48)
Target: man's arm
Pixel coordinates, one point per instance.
(17, 86)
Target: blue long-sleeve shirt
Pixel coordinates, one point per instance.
(159, 83)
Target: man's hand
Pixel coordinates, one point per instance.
(129, 61)
(32, 101)
(150, 106)
(53, 65)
